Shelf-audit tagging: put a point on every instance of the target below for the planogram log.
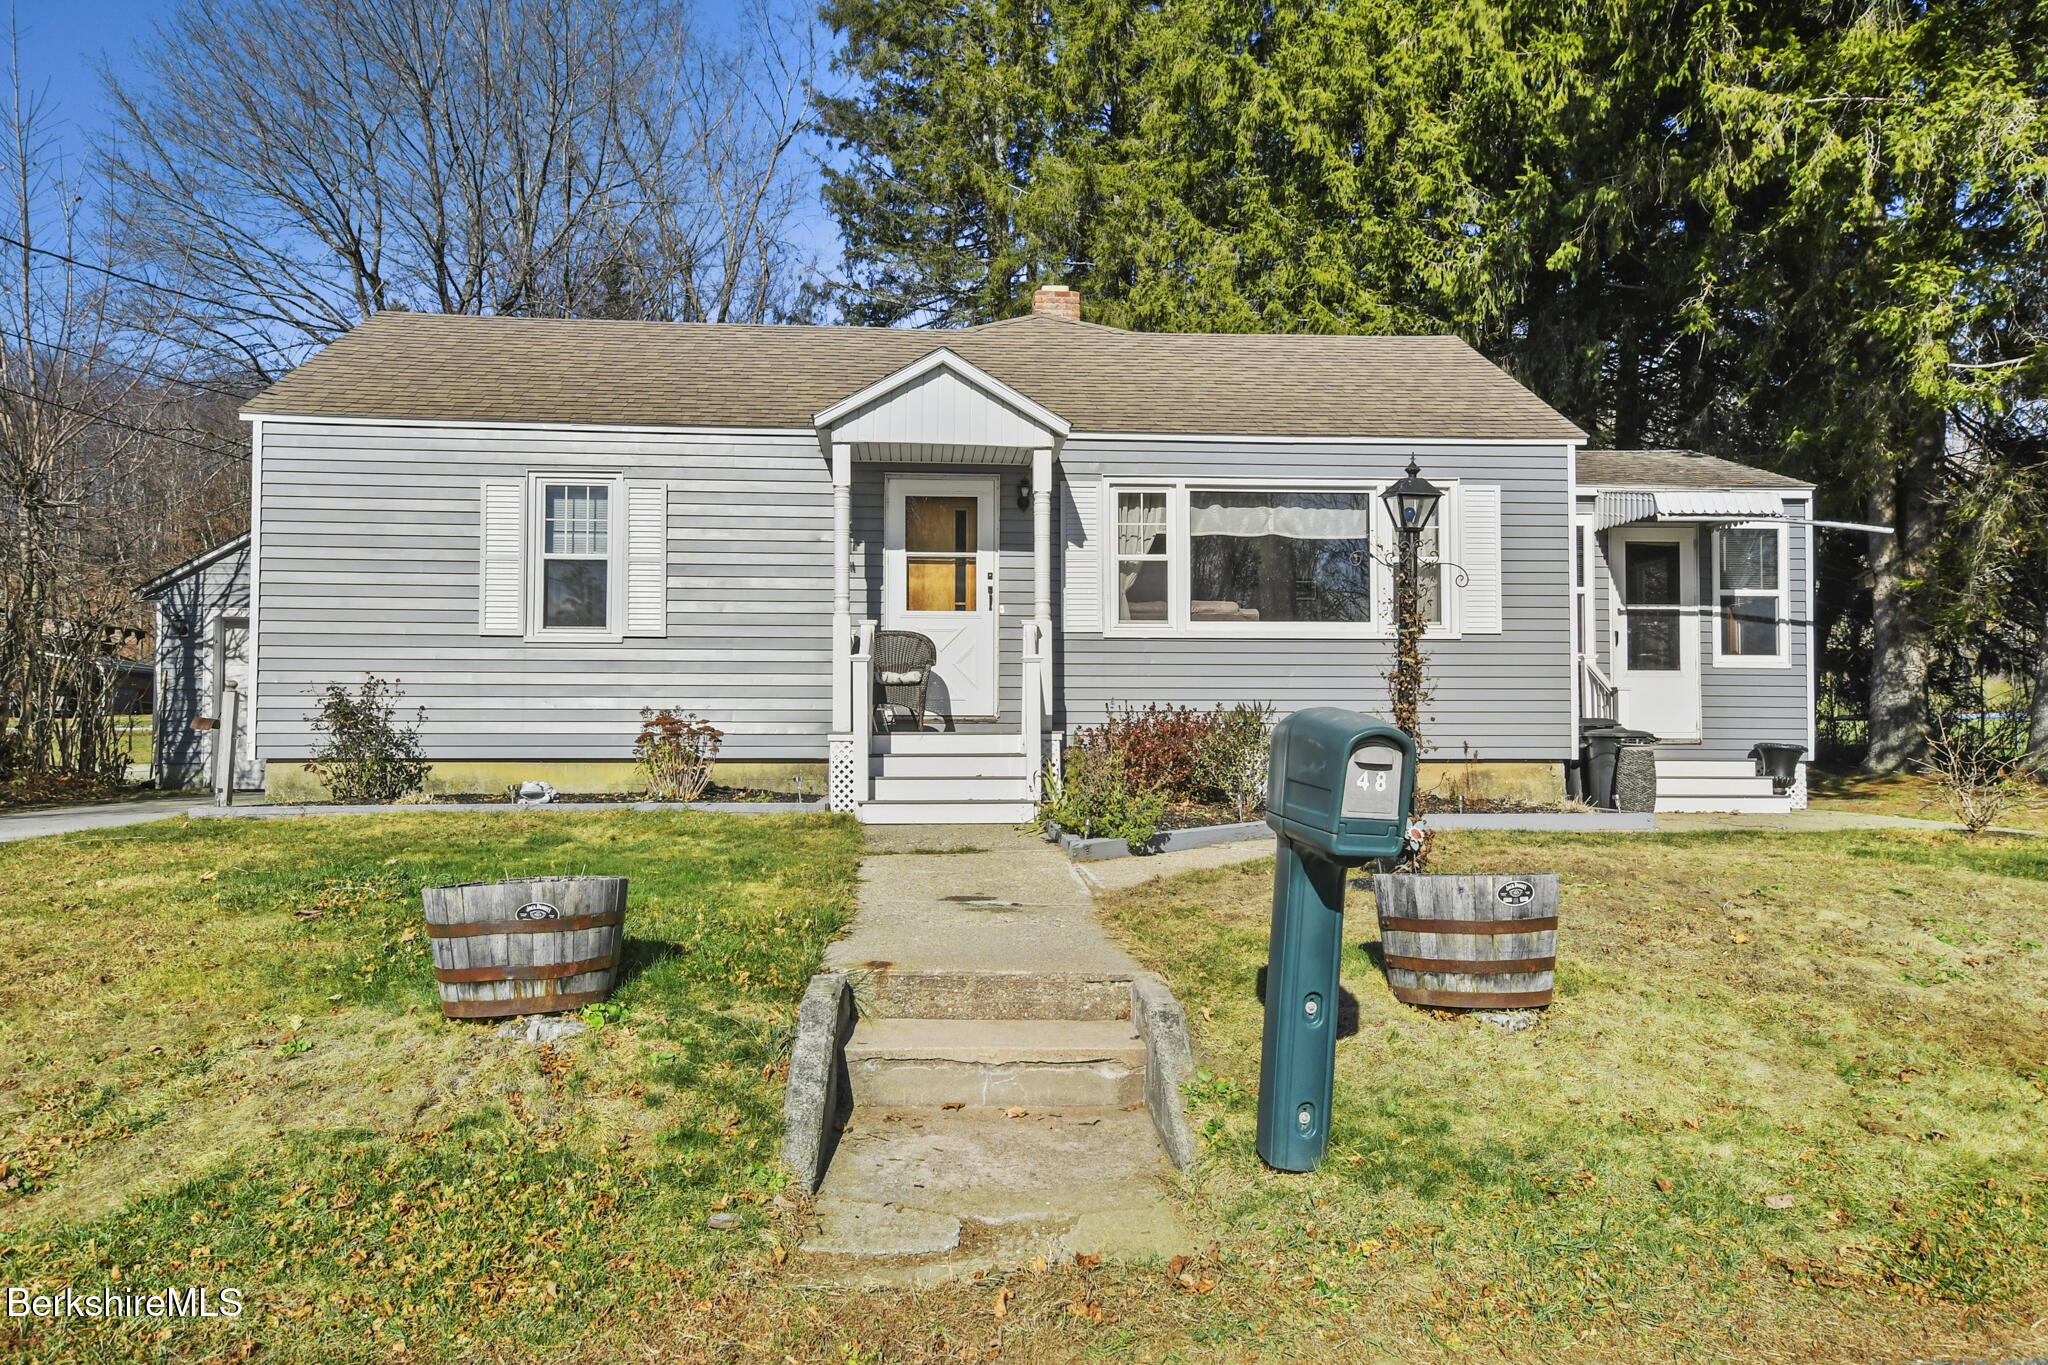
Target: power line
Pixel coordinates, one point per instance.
(157, 375)
(114, 274)
(223, 452)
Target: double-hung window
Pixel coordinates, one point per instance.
(1144, 569)
(574, 587)
(1749, 589)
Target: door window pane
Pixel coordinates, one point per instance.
(575, 594)
(1653, 641)
(1749, 624)
(1651, 575)
(1282, 557)
(1141, 566)
(940, 536)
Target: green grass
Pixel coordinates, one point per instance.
(230, 1069)
(1909, 794)
(1791, 1095)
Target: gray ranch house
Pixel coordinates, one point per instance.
(539, 527)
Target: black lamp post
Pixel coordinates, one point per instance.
(1412, 502)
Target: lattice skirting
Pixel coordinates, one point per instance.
(842, 777)
(1798, 791)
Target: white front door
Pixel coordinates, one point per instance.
(1657, 630)
(939, 579)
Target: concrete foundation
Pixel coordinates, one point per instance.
(286, 780)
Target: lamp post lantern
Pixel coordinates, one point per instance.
(1412, 502)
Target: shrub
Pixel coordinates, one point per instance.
(1161, 747)
(364, 753)
(1232, 756)
(1093, 796)
(1977, 780)
(675, 752)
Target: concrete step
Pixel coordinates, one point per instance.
(946, 812)
(1705, 767)
(922, 1195)
(996, 1062)
(929, 789)
(887, 993)
(949, 765)
(1714, 786)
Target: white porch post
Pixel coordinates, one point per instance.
(842, 573)
(1041, 572)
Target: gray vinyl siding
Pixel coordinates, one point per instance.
(370, 542)
(1493, 697)
(1013, 570)
(185, 616)
(1740, 706)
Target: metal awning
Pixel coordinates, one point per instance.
(1622, 507)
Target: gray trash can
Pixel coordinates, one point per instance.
(1618, 761)
(1635, 772)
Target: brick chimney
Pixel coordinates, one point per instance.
(1056, 301)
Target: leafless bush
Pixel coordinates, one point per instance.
(1977, 777)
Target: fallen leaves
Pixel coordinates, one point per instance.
(1002, 1304)
(1780, 1201)
(1664, 1184)
(1016, 1111)
(954, 1104)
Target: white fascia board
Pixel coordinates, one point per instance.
(946, 360)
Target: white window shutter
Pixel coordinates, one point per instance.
(1479, 554)
(501, 604)
(647, 559)
(1080, 557)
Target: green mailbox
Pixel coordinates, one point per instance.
(1337, 794)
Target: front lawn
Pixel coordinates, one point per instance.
(1790, 1099)
(227, 1068)
(1909, 794)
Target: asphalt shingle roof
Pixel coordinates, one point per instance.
(1100, 379)
(1673, 469)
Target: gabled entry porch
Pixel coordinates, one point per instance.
(942, 481)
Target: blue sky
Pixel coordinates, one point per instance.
(63, 43)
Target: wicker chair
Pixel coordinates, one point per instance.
(903, 671)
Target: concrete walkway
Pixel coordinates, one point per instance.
(973, 898)
(36, 824)
(994, 1121)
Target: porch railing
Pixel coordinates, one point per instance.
(850, 784)
(1597, 693)
(1036, 699)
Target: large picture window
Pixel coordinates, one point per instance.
(1279, 556)
(1749, 583)
(575, 571)
(1232, 558)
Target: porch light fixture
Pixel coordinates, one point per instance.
(1412, 502)
(1024, 493)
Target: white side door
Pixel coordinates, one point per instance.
(939, 579)
(1657, 630)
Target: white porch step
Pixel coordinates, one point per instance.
(1011, 765)
(1705, 767)
(1722, 805)
(946, 812)
(952, 789)
(894, 742)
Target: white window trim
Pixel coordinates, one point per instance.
(1782, 659)
(536, 558)
(1177, 624)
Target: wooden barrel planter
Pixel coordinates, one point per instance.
(535, 946)
(1477, 942)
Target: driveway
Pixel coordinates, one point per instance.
(35, 824)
